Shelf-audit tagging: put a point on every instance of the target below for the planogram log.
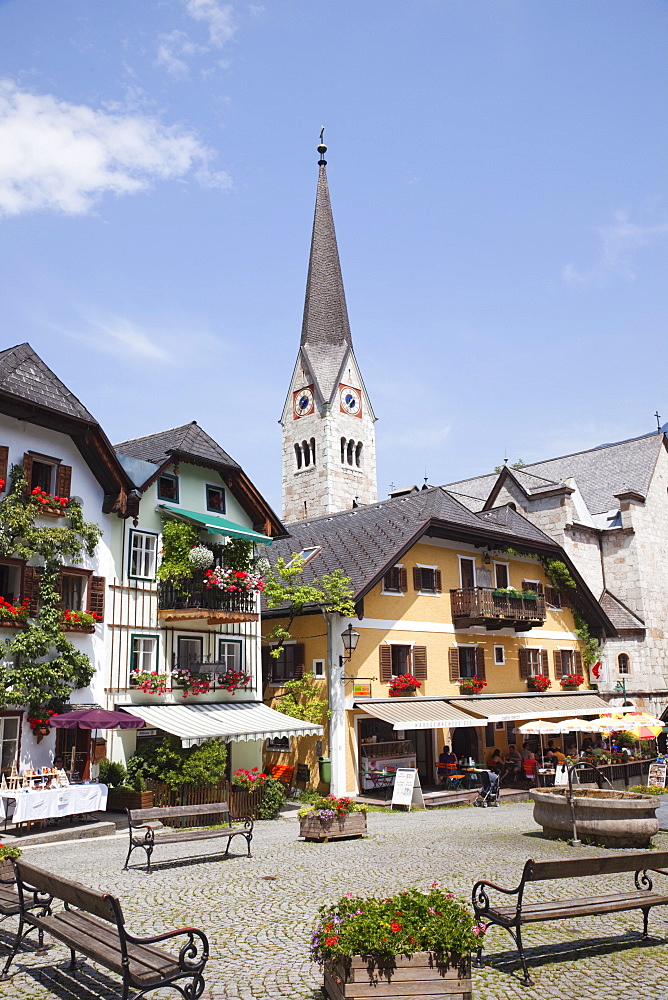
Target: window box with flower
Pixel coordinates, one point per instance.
(471, 685)
(417, 942)
(234, 581)
(150, 681)
(79, 621)
(571, 681)
(403, 684)
(539, 682)
(331, 818)
(47, 503)
(14, 615)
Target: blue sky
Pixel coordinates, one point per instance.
(498, 177)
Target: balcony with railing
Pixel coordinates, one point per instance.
(496, 609)
(192, 599)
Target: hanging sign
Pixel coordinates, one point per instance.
(657, 775)
(361, 690)
(407, 790)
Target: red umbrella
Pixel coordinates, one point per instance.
(96, 718)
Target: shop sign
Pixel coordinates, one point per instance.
(407, 790)
(657, 775)
(361, 690)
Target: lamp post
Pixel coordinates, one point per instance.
(621, 686)
(350, 638)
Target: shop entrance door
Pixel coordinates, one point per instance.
(465, 742)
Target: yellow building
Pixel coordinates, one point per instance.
(450, 597)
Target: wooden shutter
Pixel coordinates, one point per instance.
(437, 581)
(267, 660)
(453, 654)
(577, 658)
(59, 588)
(97, 586)
(31, 582)
(420, 662)
(524, 662)
(403, 580)
(4, 462)
(480, 663)
(385, 653)
(532, 585)
(558, 668)
(544, 663)
(27, 468)
(417, 578)
(64, 481)
(297, 660)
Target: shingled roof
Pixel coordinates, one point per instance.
(600, 473)
(621, 617)
(188, 440)
(23, 374)
(325, 328)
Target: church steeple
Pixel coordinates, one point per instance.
(329, 461)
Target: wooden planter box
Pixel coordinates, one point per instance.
(422, 975)
(120, 800)
(350, 825)
(77, 628)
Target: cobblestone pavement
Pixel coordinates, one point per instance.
(258, 912)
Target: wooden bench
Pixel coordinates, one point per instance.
(92, 924)
(514, 916)
(139, 818)
(10, 905)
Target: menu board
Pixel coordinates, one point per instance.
(407, 790)
(657, 775)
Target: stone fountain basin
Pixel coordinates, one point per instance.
(604, 817)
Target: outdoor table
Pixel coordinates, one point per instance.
(545, 776)
(380, 779)
(472, 774)
(51, 803)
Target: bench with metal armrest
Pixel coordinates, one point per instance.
(139, 819)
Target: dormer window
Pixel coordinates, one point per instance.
(168, 487)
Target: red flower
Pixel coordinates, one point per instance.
(331, 941)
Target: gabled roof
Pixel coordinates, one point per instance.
(24, 374)
(621, 617)
(601, 473)
(188, 440)
(366, 541)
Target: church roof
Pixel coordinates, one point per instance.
(619, 614)
(188, 440)
(325, 328)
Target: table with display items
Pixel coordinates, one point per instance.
(31, 805)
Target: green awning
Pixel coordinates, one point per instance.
(214, 524)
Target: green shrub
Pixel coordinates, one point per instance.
(272, 800)
(164, 759)
(112, 773)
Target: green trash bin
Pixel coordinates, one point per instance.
(325, 768)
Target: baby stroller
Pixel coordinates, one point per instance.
(489, 792)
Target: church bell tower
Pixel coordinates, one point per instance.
(329, 442)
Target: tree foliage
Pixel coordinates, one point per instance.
(284, 587)
(302, 700)
(164, 759)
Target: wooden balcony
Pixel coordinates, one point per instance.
(482, 606)
(192, 600)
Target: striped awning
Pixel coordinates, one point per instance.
(533, 706)
(413, 713)
(234, 722)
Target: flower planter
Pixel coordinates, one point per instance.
(351, 825)
(420, 975)
(77, 628)
(122, 798)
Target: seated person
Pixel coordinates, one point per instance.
(559, 756)
(513, 765)
(530, 766)
(447, 763)
(495, 761)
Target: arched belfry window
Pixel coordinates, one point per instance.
(349, 452)
(306, 451)
(298, 456)
(624, 663)
(312, 451)
(358, 454)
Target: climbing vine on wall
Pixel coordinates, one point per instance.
(39, 666)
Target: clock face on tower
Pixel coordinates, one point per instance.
(302, 402)
(351, 401)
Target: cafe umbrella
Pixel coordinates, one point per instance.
(95, 718)
(538, 727)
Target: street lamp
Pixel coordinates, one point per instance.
(350, 639)
(621, 686)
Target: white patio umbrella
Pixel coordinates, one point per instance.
(538, 727)
(573, 726)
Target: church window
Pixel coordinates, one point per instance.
(298, 456)
(358, 454)
(623, 663)
(343, 451)
(306, 451)
(312, 451)
(349, 452)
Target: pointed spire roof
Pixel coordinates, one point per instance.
(325, 336)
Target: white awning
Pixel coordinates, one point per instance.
(234, 722)
(534, 706)
(412, 713)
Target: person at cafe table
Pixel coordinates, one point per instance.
(495, 761)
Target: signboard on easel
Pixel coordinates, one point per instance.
(657, 775)
(407, 790)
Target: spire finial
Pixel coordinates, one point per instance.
(322, 149)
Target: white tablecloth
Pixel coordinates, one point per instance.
(52, 802)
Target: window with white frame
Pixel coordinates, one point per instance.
(229, 654)
(624, 663)
(499, 655)
(73, 591)
(319, 668)
(143, 554)
(190, 651)
(144, 654)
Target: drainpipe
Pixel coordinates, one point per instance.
(337, 705)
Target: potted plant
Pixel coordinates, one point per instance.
(190, 682)
(572, 681)
(404, 684)
(40, 723)
(330, 818)
(150, 681)
(539, 683)
(79, 621)
(46, 503)
(471, 685)
(417, 942)
(234, 581)
(13, 614)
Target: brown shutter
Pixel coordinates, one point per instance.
(31, 582)
(420, 662)
(437, 581)
(524, 662)
(27, 468)
(59, 588)
(403, 580)
(480, 663)
(4, 461)
(298, 660)
(578, 661)
(558, 669)
(539, 589)
(385, 653)
(97, 586)
(417, 578)
(453, 654)
(267, 660)
(544, 663)
(64, 481)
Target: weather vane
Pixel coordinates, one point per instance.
(322, 149)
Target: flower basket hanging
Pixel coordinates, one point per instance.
(200, 557)
(404, 684)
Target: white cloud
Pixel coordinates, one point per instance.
(218, 17)
(619, 242)
(65, 157)
(173, 48)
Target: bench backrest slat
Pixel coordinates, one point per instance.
(174, 812)
(98, 903)
(541, 871)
